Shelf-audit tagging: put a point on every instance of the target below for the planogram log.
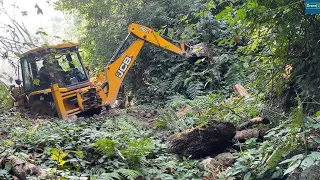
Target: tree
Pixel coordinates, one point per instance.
(278, 34)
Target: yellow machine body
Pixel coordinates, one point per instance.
(90, 93)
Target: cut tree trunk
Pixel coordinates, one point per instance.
(251, 122)
(203, 141)
(20, 168)
(250, 133)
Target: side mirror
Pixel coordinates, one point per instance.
(18, 82)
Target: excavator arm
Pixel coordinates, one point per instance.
(117, 69)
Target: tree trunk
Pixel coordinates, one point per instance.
(204, 141)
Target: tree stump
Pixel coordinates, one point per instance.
(204, 141)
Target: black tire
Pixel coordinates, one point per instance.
(93, 111)
(44, 108)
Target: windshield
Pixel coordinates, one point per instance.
(63, 68)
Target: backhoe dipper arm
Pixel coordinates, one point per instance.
(117, 69)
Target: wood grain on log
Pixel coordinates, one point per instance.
(21, 168)
(250, 133)
(251, 122)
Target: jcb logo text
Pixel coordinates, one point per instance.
(123, 67)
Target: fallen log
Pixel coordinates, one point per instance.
(203, 141)
(251, 122)
(250, 133)
(20, 168)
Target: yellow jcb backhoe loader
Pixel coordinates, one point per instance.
(55, 82)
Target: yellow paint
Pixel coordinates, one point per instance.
(111, 70)
(143, 34)
(114, 73)
(64, 45)
(56, 94)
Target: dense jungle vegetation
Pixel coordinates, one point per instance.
(270, 47)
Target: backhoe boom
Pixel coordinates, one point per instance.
(117, 69)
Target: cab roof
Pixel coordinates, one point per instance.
(46, 47)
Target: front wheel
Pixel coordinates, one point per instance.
(93, 111)
(44, 108)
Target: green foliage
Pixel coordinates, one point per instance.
(120, 174)
(5, 101)
(293, 42)
(106, 146)
(117, 147)
(170, 121)
(194, 89)
(283, 150)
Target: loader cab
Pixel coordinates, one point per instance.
(60, 64)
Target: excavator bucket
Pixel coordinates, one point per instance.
(200, 50)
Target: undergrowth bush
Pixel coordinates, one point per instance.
(5, 100)
(105, 148)
(286, 148)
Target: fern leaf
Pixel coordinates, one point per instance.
(194, 89)
(109, 176)
(177, 81)
(107, 146)
(128, 173)
(187, 80)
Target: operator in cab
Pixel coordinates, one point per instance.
(46, 74)
(50, 73)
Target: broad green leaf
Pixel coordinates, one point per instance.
(191, 26)
(318, 113)
(184, 158)
(222, 13)
(293, 167)
(307, 162)
(315, 155)
(36, 82)
(4, 172)
(241, 14)
(170, 33)
(183, 19)
(54, 157)
(61, 162)
(9, 143)
(73, 160)
(199, 13)
(79, 153)
(8, 166)
(184, 36)
(316, 139)
(205, 13)
(247, 176)
(276, 174)
(254, 45)
(158, 32)
(294, 158)
(223, 41)
(211, 5)
(198, 61)
(62, 155)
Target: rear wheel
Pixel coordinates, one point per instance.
(44, 108)
(93, 111)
